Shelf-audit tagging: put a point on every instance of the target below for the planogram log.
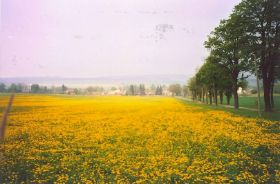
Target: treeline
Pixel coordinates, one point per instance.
(247, 43)
(34, 88)
(136, 90)
(132, 89)
(171, 90)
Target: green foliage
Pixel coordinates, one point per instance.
(131, 90)
(64, 88)
(142, 89)
(253, 91)
(262, 28)
(185, 90)
(92, 89)
(193, 86)
(15, 88)
(247, 42)
(158, 90)
(212, 75)
(175, 89)
(35, 88)
(113, 88)
(2, 87)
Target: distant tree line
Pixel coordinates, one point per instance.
(132, 89)
(136, 90)
(175, 89)
(247, 43)
(171, 90)
(158, 90)
(34, 88)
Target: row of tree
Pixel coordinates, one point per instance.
(212, 81)
(244, 44)
(174, 89)
(141, 90)
(34, 88)
(12, 88)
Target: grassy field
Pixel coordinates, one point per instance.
(71, 139)
(251, 113)
(251, 102)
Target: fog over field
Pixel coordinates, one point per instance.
(102, 81)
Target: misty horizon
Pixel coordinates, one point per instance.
(95, 76)
(99, 81)
(105, 38)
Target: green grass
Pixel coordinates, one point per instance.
(274, 116)
(251, 102)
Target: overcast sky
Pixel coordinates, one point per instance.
(87, 38)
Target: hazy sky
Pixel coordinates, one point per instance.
(87, 38)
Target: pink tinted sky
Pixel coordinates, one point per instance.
(87, 38)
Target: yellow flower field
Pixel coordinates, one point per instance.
(71, 139)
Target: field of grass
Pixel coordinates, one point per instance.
(251, 102)
(71, 139)
(251, 113)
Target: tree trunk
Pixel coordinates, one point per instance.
(236, 102)
(203, 100)
(206, 95)
(234, 78)
(235, 95)
(210, 97)
(266, 90)
(193, 95)
(267, 97)
(271, 79)
(265, 67)
(228, 99)
(271, 95)
(216, 96)
(221, 97)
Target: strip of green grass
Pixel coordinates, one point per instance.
(274, 116)
(251, 102)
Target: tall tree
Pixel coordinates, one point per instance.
(142, 89)
(212, 78)
(2, 87)
(35, 88)
(131, 90)
(15, 88)
(175, 89)
(226, 43)
(262, 27)
(193, 86)
(185, 90)
(63, 88)
(158, 90)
